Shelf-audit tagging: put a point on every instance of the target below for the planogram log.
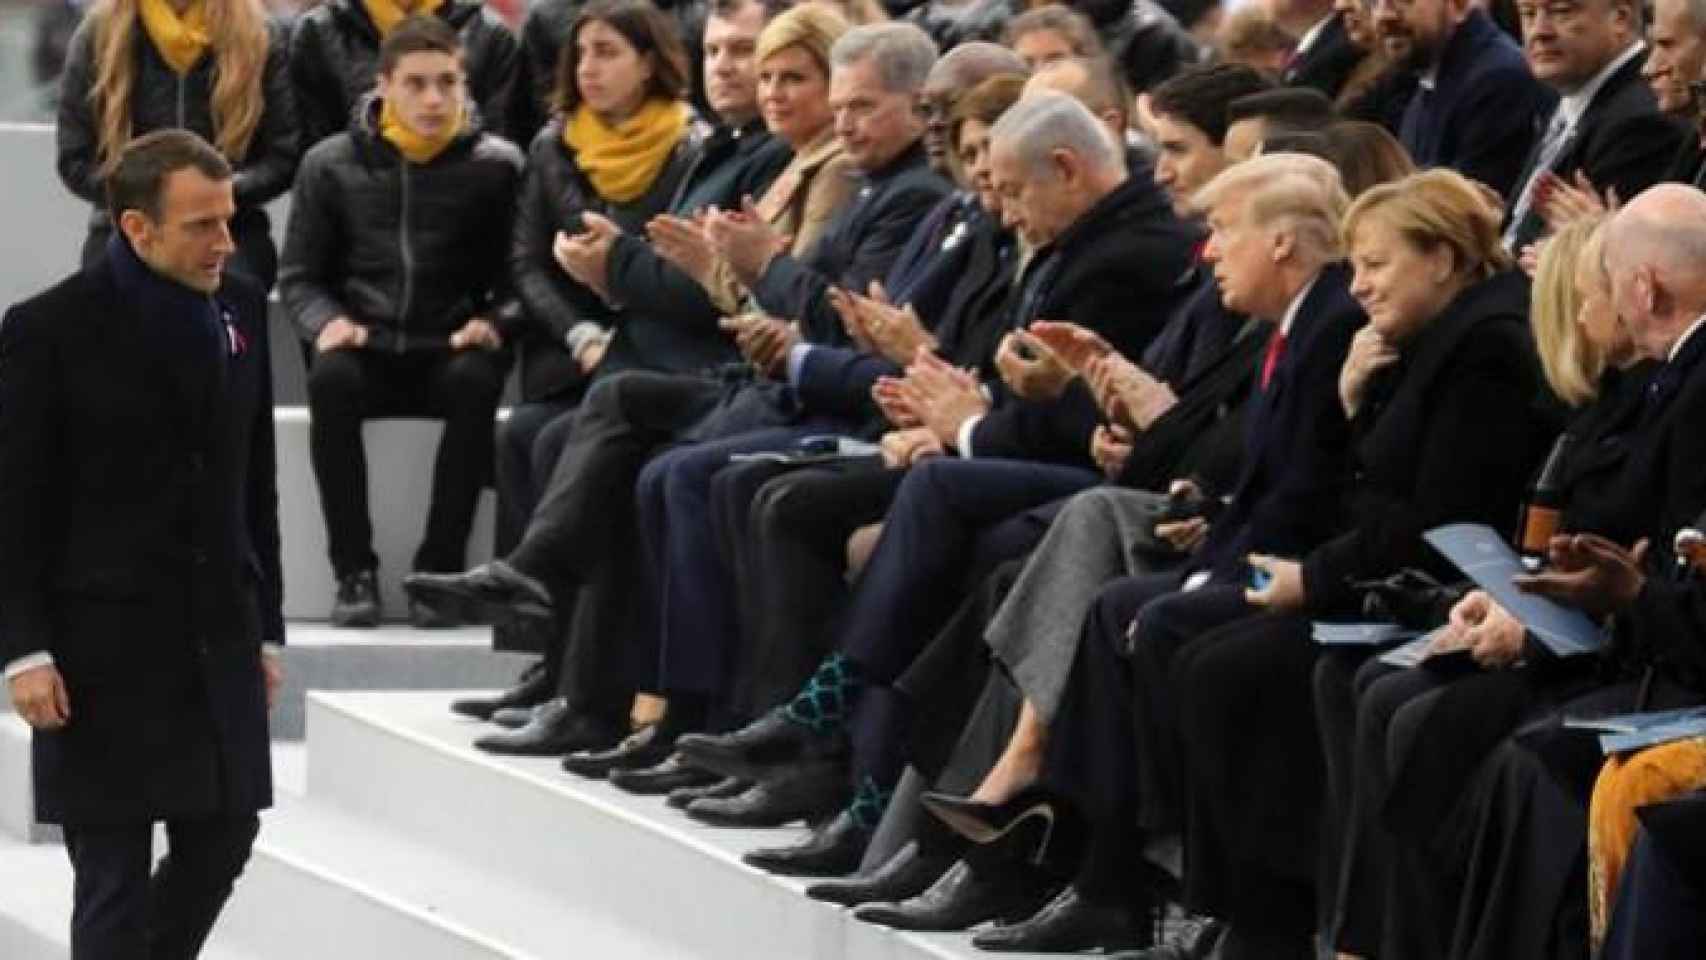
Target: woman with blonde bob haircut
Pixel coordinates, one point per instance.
(214, 67)
(1572, 301)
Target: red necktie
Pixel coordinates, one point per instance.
(1276, 350)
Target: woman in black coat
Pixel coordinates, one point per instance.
(621, 144)
(216, 67)
(1439, 388)
(1417, 734)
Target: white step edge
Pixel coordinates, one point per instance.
(401, 759)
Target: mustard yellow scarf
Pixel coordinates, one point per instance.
(622, 161)
(414, 147)
(387, 14)
(182, 39)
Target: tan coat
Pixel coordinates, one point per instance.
(800, 203)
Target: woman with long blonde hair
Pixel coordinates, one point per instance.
(214, 67)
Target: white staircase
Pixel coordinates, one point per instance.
(401, 841)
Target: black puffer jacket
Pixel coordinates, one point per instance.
(334, 58)
(410, 251)
(553, 198)
(163, 100)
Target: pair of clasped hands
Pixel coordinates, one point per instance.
(1583, 571)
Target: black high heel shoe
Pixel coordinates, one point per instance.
(1035, 807)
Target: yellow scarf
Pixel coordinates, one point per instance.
(622, 161)
(180, 38)
(387, 14)
(414, 147)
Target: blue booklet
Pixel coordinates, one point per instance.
(1485, 558)
(1359, 634)
(1635, 731)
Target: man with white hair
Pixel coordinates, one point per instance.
(582, 539)
(1677, 41)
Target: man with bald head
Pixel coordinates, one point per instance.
(1655, 254)
(960, 69)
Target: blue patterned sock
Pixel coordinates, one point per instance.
(869, 803)
(825, 701)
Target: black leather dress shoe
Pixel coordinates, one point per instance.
(667, 776)
(906, 874)
(533, 687)
(514, 718)
(808, 792)
(1069, 924)
(499, 590)
(553, 731)
(754, 750)
(646, 747)
(1194, 940)
(718, 789)
(962, 898)
(832, 850)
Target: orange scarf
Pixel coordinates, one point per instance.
(182, 39)
(414, 147)
(387, 14)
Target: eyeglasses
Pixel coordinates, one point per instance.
(936, 109)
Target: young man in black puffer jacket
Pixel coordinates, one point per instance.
(395, 270)
(335, 47)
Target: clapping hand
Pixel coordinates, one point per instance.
(1590, 573)
(1563, 202)
(1076, 346)
(763, 340)
(1030, 368)
(684, 242)
(878, 326)
(893, 399)
(943, 396)
(745, 240)
(1126, 392)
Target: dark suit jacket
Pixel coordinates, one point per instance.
(1479, 118)
(139, 511)
(1328, 61)
(1296, 437)
(1120, 270)
(1666, 627)
(838, 380)
(1621, 142)
(1211, 374)
(1447, 434)
(859, 246)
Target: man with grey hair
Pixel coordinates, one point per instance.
(1606, 127)
(582, 540)
(1096, 84)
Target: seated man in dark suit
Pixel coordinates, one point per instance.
(1677, 59)
(394, 268)
(140, 581)
(1476, 104)
(582, 535)
(1097, 230)
(1606, 126)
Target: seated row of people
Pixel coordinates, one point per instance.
(1322, 455)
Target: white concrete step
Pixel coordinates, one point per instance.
(666, 885)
